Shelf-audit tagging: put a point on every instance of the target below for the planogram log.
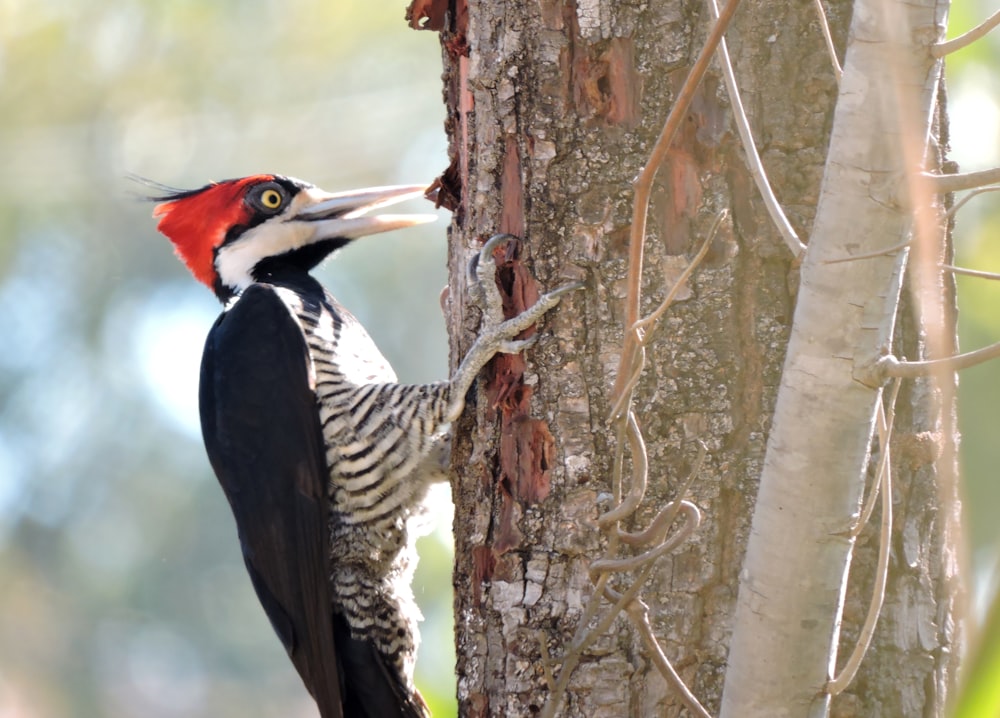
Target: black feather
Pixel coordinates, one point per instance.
(263, 438)
(261, 427)
(164, 192)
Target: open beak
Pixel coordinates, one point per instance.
(343, 214)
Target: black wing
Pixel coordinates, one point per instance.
(262, 432)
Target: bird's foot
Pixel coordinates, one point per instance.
(496, 334)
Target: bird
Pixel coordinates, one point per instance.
(324, 457)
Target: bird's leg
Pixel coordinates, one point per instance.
(496, 334)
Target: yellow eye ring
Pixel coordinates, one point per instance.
(270, 199)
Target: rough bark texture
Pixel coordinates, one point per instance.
(553, 106)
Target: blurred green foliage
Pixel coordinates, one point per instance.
(980, 694)
(122, 591)
(974, 93)
(974, 97)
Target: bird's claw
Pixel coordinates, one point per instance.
(479, 267)
(484, 289)
(482, 272)
(496, 334)
(491, 302)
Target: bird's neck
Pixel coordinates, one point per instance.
(301, 260)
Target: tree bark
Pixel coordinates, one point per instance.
(553, 108)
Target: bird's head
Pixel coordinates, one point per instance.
(227, 232)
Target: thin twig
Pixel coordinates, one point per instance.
(639, 615)
(582, 639)
(969, 272)
(637, 490)
(644, 188)
(620, 601)
(642, 331)
(943, 184)
(638, 363)
(584, 635)
(850, 669)
(657, 527)
(611, 565)
(869, 507)
(870, 255)
(628, 601)
(884, 430)
(974, 193)
(631, 365)
(754, 164)
(654, 317)
(825, 27)
(891, 366)
(944, 48)
(940, 184)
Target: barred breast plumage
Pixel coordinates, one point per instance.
(385, 444)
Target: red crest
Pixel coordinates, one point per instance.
(197, 222)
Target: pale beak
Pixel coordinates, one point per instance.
(343, 214)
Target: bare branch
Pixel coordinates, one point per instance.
(638, 613)
(942, 184)
(543, 647)
(891, 366)
(585, 635)
(642, 324)
(944, 48)
(974, 193)
(754, 164)
(869, 507)
(969, 272)
(637, 490)
(644, 188)
(937, 182)
(870, 255)
(630, 367)
(693, 516)
(825, 27)
(628, 380)
(639, 335)
(658, 526)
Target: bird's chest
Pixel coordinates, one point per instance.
(353, 384)
(340, 354)
(344, 365)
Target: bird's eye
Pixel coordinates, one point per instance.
(270, 199)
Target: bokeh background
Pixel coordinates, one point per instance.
(122, 592)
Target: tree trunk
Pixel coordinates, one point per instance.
(553, 108)
(787, 626)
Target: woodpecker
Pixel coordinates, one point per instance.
(323, 456)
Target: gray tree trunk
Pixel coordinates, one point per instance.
(787, 624)
(553, 108)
